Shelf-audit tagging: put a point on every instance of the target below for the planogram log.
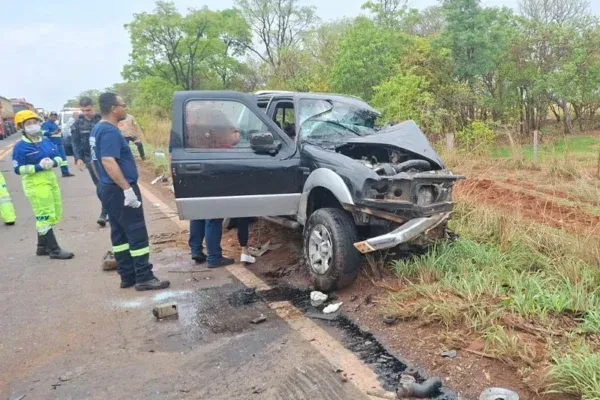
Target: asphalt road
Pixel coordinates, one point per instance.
(67, 331)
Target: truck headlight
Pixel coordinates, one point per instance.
(425, 195)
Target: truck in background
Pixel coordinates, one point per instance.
(7, 118)
(63, 121)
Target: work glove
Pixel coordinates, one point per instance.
(131, 199)
(46, 163)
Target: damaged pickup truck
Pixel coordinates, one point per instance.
(314, 160)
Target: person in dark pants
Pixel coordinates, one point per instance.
(117, 173)
(53, 132)
(80, 135)
(212, 231)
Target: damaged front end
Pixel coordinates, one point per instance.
(409, 201)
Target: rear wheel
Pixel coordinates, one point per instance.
(329, 238)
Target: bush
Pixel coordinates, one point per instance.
(477, 133)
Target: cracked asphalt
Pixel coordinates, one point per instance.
(67, 331)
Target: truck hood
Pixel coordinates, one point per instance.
(405, 136)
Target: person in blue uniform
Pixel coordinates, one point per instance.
(33, 158)
(117, 174)
(53, 132)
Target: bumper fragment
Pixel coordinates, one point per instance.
(405, 233)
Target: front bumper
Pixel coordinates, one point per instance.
(405, 233)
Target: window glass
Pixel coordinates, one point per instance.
(220, 124)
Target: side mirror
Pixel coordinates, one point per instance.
(264, 142)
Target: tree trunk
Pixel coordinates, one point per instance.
(566, 117)
(556, 114)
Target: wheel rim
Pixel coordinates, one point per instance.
(320, 249)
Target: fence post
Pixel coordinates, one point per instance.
(450, 142)
(536, 140)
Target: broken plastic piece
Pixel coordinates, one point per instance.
(165, 310)
(429, 388)
(317, 298)
(330, 309)
(498, 394)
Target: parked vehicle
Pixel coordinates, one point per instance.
(7, 118)
(21, 104)
(63, 118)
(314, 160)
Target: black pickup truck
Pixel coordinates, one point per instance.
(319, 161)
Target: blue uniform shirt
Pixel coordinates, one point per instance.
(50, 130)
(106, 140)
(27, 155)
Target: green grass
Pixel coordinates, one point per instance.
(577, 372)
(501, 268)
(574, 145)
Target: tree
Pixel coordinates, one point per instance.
(184, 49)
(559, 12)
(279, 25)
(367, 56)
(92, 93)
(387, 13)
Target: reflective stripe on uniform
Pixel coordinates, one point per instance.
(27, 169)
(140, 252)
(58, 160)
(120, 248)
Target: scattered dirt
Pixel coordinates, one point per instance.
(555, 193)
(415, 344)
(531, 207)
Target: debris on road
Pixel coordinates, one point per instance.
(258, 390)
(390, 319)
(259, 319)
(381, 394)
(161, 178)
(449, 354)
(498, 394)
(159, 153)
(20, 397)
(242, 297)
(368, 299)
(165, 310)
(353, 298)
(109, 262)
(317, 298)
(410, 388)
(325, 317)
(330, 309)
(156, 205)
(261, 250)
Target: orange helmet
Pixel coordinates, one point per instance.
(24, 115)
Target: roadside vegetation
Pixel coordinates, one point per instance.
(523, 276)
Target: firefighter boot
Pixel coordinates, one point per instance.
(55, 251)
(42, 246)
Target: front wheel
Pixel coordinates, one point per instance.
(329, 238)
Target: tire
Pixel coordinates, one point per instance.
(343, 260)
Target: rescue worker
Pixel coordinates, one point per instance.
(131, 131)
(80, 136)
(33, 158)
(7, 210)
(53, 132)
(117, 172)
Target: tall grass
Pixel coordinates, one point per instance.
(503, 274)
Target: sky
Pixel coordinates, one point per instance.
(68, 46)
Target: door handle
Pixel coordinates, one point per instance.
(194, 167)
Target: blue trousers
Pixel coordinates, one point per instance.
(64, 167)
(128, 235)
(210, 230)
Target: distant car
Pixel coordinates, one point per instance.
(313, 160)
(63, 119)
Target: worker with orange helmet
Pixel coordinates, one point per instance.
(34, 156)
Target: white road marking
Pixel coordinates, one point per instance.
(333, 351)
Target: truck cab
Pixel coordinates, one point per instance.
(319, 160)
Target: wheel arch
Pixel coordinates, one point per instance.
(323, 188)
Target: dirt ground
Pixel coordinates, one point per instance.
(364, 301)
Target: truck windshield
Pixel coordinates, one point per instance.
(19, 107)
(328, 121)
